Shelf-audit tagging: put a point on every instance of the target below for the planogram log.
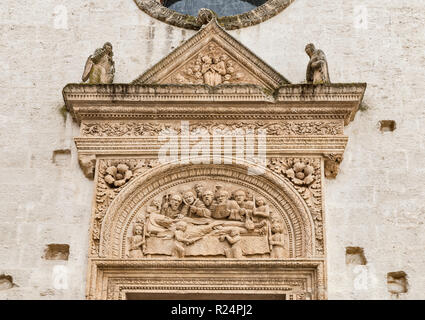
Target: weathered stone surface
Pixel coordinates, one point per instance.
(376, 201)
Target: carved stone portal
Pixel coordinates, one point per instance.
(207, 227)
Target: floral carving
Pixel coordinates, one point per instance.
(118, 175)
(152, 129)
(301, 173)
(304, 173)
(113, 175)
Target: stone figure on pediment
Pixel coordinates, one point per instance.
(100, 67)
(317, 69)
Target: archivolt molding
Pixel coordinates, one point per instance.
(280, 192)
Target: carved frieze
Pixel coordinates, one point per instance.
(148, 129)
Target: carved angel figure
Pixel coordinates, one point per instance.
(100, 68)
(317, 69)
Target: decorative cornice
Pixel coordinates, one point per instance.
(295, 101)
(149, 146)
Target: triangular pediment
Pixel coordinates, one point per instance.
(212, 57)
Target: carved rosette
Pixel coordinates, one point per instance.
(305, 175)
(112, 177)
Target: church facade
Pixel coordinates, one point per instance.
(254, 155)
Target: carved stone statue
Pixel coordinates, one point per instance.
(317, 69)
(100, 68)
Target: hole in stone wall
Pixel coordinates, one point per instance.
(56, 252)
(355, 255)
(397, 282)
(387, 125)
(61, 157)
(6, 282)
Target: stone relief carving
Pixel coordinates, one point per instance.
(105, 129)
(100, 67)
(212, 66)
(113, 176)
(332, 162)
(88, 164)
(218, 53)
(304, 173)
(118, 175)
(317, 69)
(205, 16)
(206, 219)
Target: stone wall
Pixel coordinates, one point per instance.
(375, 203)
